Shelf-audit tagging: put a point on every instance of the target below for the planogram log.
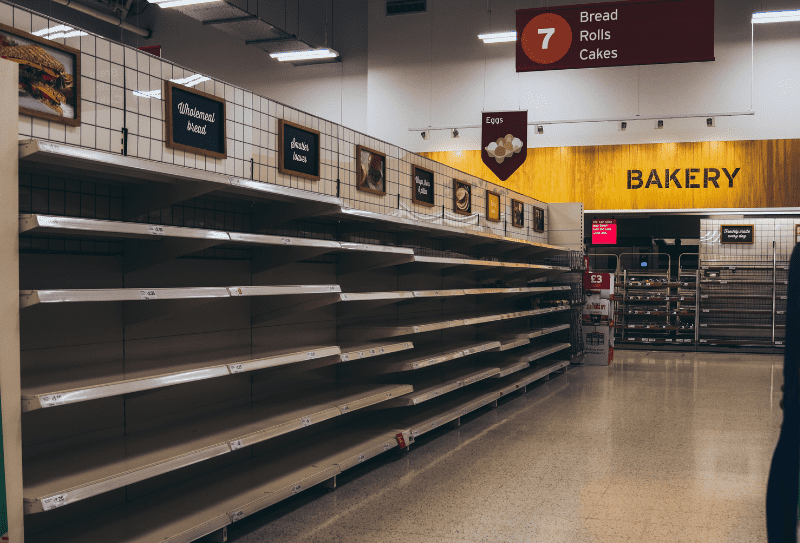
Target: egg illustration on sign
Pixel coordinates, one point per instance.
(504, 148)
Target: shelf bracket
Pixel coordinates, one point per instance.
(271, 308)
(273, 214)
(220, 536)
(143, 254)
(138, 312)
(351, 263)
(330, 484)
(277, 256)
(141, 200)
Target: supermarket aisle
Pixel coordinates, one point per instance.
(659, 447)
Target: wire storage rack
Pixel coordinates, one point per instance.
(743, 300)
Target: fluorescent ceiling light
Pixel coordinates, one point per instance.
(179, 3)
(55, 29)
(59, 31)
(776, 16)
(304, 55)
(498, 37)
(190, 81)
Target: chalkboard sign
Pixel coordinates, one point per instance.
(423, 189)
(298, 150)
(736, 233)
(195, 121)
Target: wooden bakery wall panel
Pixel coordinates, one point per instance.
(713, 174)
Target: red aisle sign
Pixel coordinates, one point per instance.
(615, 34)
(504, 141)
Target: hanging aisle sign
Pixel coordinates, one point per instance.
(195, 121)
(298, 150)
(504, 141)
(615, 34)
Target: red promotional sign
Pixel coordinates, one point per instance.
(504, 143)
(596, 281)
(604, 232)
(615, 34)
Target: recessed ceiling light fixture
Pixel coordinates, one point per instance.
(179, 3)
(776, 16)
(290, 56)
(59, 31)
(498, 37)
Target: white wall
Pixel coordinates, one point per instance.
(336, 92)
(430, 68)
(469, 76)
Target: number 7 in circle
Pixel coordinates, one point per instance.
(549, 34)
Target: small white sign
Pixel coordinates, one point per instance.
(305, 421)
(155, 230)
(296, 488)
(236, 291)
(311, 355)
(147, 294)
(236, 368)
(345, 357)
(236, 445)
(286, 241)
(345, 408)
(361, 457)
(386, 447)
(51, 400)
(54, 502)
(237, 515)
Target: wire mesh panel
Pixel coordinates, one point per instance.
(736, 300)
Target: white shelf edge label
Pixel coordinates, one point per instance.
(297, 487)
(361, 457)
(345, 357)
(237, 515)
(236, 368)
(305, 421)
(236, 445)
(155, 230)
(235, 291)
(386, 447)
(51, 400)
(147, 294)
(345, 408)
(286, 241)
(54, 502)
(311, 355)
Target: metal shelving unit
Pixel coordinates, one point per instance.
(743, 301)
(173, 383)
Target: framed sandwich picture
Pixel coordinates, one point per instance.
(538, 219)
(462, 197)
(492, 206)
(370, 170)
(517, 214)
(49, 76)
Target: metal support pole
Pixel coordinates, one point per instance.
(697, 308)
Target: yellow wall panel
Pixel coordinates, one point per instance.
(768, 176)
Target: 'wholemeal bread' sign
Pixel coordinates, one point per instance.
(195, 121)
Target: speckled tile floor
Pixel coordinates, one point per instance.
(659, 447)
